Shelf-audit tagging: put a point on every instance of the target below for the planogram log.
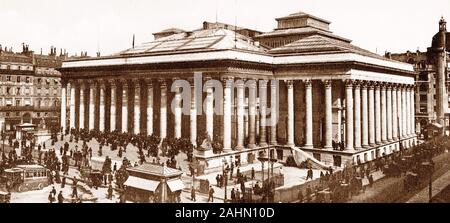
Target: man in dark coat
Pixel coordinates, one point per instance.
(211, 194)
(60, 197)
(193, 194)
(253, 173)
(233, 196)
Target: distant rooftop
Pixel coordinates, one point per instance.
(203, 39)
(157, 170)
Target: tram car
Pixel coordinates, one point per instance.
(25, 178)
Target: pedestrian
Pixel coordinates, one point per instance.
(53, 191)
(238, 195)
(110, 191)
(218, 180)
(253, 173)
(115, 167)
(63, 182)
(60, 197)
(233, 195)
(74, 192)
(211, 194)
(50, 197)
(193, 194)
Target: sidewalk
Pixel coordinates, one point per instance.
(437, 186)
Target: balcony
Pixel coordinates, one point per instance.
(29, 108)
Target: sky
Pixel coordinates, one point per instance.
(108, 25)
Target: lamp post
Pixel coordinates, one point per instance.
(270, 161)
(225, 176)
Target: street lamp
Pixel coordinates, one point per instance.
(269, 161)
(225, 176)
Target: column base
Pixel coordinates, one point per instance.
(357, 148)
(274, 143)
(227, 150)
(263, 144)
(290, 144)
(308, 146)
(239, 147)
(395, 139)
(372, 144)
(365, 146)
(328, 147)
(384, 141)
(390, 140)
(251, 146)
(378, 143)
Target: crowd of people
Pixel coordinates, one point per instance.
(342, 185)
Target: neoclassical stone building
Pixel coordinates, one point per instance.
(328, 90)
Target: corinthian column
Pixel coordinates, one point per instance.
(328, 115)
(273, 111)
(290, 104)
(112, 111)
(389, 113)
(163, 110)
(72, 104)
(309, 114)
(91, 113)
(377, 115)
(124, 106)
(365, 116)
(413, 123)
(193, 115)
(262, 108)
(395, 127)
(371, 115)
(177, 111)
(150, 107)
(137, 106)
(252, 114)
(63, 105)
(227, 115)
(383, 114)
(102, 107)
(404, 112)
(240, 114)
(82, 97)
(349, 114)
(357, 116)
(209, 111)
(400, 112)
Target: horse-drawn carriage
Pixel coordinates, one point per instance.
(5, 197)
(25, 177)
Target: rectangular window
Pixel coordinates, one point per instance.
(8, 78)
(18, 79)
(27, 79)
(17, 102)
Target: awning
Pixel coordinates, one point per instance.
(140, 183)
(175, 185)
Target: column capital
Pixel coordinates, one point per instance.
(91, 82)
(112, 82)
(136, 80)
(263, 83)
(289, 83)
(327, 82)
(349, 83)
(357, 84)
(64, 82)
(227, 81)
(101, 84)
(124, 82)
(162, 82)
(308, 83)
(148, 82)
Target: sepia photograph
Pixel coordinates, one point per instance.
(216, 101)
